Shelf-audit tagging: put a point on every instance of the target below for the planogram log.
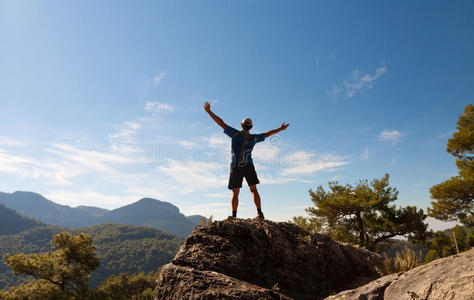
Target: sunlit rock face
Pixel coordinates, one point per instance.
(261, 259)
(449, 278)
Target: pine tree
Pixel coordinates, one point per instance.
(454, 197)
(363, 214)
(60, 273)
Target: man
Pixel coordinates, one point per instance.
(242, 164)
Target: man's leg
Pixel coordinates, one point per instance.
(235, 201)
(256, 200)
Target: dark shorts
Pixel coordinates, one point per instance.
(237, 175)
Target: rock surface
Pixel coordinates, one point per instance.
(261, 259)
(446, 278)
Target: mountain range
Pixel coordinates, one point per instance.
(121, 248)
(147, 212)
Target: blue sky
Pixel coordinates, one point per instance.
(101, 102)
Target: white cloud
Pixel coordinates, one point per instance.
(187, 144)
(191, 175)
(26, 167)
(218, 195)
(6, 141)
(126, 130)
(15, 164)
(269, 179)
(155, 106)
(391, 135)
(158, 78)
(365, 153)
(359, 82)
(217, 210)
(91, 159)
(91, 198)
(311, 168)
(217, 141)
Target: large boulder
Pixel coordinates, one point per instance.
(261, 259)
(450, 278)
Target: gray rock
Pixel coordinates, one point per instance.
(261, 259)
(371, 291)
(450, 278)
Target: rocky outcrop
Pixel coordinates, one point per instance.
(261, 259)
(450, 278)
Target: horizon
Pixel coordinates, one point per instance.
(107, 111)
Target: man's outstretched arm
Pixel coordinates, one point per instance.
(207, 108)
(274, 131)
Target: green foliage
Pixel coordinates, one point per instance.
(35, 290)
(454, 197)
(309, 224)
(442, 243)
(68, 268)
(121, 248)
(363, 214)
(404, 260)
(124, 287)
(431, 255)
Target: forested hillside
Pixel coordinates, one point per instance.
(12, 222)
(121, 248)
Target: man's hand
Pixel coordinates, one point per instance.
(274, 131)
(284, 126)
(207, 107)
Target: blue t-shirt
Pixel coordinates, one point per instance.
(242, 145)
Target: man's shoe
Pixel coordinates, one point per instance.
(260, 216)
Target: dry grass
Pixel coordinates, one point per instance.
(206, 223)
(404, 260)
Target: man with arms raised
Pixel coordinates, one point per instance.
(242, 164)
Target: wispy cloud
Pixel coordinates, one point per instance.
(218, 195)
(76, 198)
(6, 141)
(309, 163)
(98, 161)
(365, 153)
(158, 78)
(216, 209)
(186, 143)
(314, 167)
(194, 174)
(218, 141)
(126, 130)
(391, 135)
(155, 106)
(359, 82)
(26, 167)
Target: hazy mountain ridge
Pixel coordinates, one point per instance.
(11, 222)
(147, 211)
(121, 248)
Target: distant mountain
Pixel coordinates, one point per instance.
(12, 222)
(36, 206)
(121, 248)
(93, 211)
(147, 211)
(154, 213)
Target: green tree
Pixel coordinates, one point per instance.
(454, 197)
(124, 287)
(363, 214)
(442, 243)
(64, 271)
